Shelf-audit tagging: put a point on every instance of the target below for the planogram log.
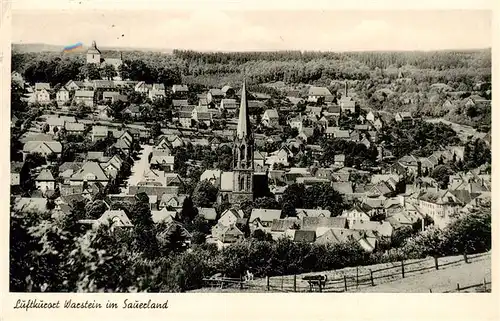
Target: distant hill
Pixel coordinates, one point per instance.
(35, 47)
(42, 47)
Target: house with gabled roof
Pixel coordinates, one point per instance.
(270, 118)
(306, 212)
(230, 217)
(403, 117)
(113, 96)
(208, 213)
(73, 85)
(85, 97)
(227, 90)
(314, 111)
(74, 128)
(45, 181)
(44, 148)
(62, 95)
(99, 132)
(228, 104)
(280, 226)
(202, 116)
(115, 219)
(163, 159)
(91, 172)
(154, 94)
(357, 213)
(378, 124)
(172, 201)
(261, 218)
(440, 205)
(339, 160)
(335, 236)
(383, 228)
(173, 179)
(402, 218)
(163, 216)
(322, 224)
(314, 93)
(142, 87)
(178, 103)
(347, 105)
(179, 89)
(42, 85)
(112, 167)
(214, 96)
(304, 236)
(227, 235)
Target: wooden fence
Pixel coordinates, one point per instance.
(354, 279)
(484, 286)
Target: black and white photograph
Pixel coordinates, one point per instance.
(250, 151)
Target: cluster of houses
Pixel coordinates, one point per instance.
(379, 210)
(383, 202)
(74, 92)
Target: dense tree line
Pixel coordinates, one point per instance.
(54, 254)
(421, 138)
(54, 71)
(289, 66)
(317, 196)
(419, 59)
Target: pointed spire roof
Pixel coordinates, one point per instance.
(93, 49)
(243, 129)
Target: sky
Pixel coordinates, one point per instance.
(237, 30)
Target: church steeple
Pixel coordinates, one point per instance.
(243, 155)
(243, 120)
(93, 54)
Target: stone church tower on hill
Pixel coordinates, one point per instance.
(243, 155)
(94, 54)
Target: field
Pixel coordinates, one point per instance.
(420, 277)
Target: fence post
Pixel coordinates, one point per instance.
(430, 290)
(466, 259)
(320, 286)
(403, 268)
(345, 283)
(282, 283)
(267, 281)
(241, 282)
(295, 283)
(357, 277)
(458, 287)
(484, 283)
(371, 278)
(436, 263)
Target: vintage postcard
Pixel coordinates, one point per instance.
(301, 157)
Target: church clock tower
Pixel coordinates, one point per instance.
(94, 55)
(243, 155)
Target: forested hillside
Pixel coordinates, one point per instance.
(427, 83)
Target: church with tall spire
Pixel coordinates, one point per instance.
(242, 183)
(243, 148)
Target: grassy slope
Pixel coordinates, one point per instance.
(420, 276)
